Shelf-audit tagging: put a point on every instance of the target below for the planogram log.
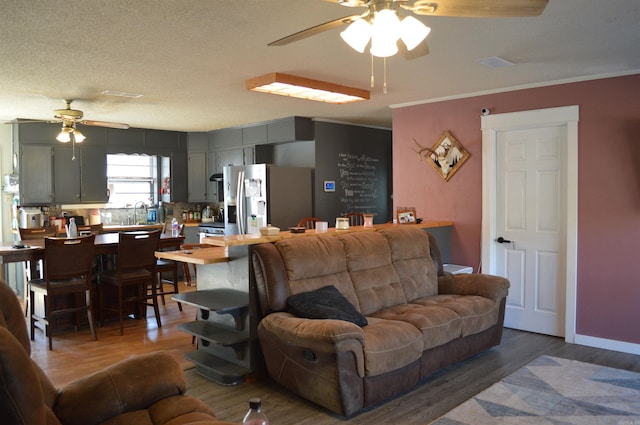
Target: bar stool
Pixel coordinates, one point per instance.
(134, 276)
(355, 218)
(34, 271)
(67, 271)
(169, 266)
(308, 223)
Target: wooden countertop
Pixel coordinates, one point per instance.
(240, 240)
(198, 256)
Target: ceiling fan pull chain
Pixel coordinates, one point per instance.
(372, 79)
(384, 84)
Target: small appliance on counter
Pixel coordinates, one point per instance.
(30, 218)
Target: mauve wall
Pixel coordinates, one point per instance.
(608, 188)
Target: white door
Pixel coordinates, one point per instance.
(530, 215)
(529, 223)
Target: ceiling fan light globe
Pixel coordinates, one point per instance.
(64, 136)
(385, 33)
(413, 32)
(357, 35)
(78, 137)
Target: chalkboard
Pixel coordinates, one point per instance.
(358, 182)
(358, 160)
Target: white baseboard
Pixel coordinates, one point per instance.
(607, 344)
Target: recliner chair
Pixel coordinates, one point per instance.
(143, 390)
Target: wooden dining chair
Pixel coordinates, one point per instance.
(355, 218)
(93, 229)
(169, 266)
(67, 272)
(133, 277)
(34, 271)
(308, 223)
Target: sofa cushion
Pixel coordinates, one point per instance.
(437, 324)
(305, 272)
(411, 257)
(476, 313)
(375, 281)
(390, 345)
(325, 303)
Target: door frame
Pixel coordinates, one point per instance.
(491, 125)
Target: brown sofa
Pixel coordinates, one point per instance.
(143, 390)
(419, 319)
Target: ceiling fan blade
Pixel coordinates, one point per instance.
(478, 8)
(420, 50)
(119, 126)
(315, 30)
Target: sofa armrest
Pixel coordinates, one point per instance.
(485, 285)
(131, 384)
(320, 335)
(326, 335)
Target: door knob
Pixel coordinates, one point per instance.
(502, 240)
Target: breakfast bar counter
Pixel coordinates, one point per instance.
(254, 239)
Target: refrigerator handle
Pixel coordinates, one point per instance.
(240, 214)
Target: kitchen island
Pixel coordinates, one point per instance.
(228, 347)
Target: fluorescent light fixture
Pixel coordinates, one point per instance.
(306, 88)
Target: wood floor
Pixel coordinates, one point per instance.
(75, 354)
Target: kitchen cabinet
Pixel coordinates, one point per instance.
(229, 157)
(179, 177)
(197, 177)
(80, 180)
(36, 175)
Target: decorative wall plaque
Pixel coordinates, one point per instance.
(446, 156)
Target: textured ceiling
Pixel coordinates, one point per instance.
(190, 58)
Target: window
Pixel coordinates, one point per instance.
(131, 178)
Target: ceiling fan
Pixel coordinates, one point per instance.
(386, 43)
(69, 118)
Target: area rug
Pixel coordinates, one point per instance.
(554, 391)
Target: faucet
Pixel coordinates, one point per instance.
(135, 210)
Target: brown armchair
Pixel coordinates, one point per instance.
(142, 390)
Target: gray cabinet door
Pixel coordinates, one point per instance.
(36, 175)
(66, 175)
(197, 176)
(230, 157)
(179, 178)
(83, 179)
(93, 174)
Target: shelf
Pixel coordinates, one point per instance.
(221, 301)
(215, 333)
(217, 369)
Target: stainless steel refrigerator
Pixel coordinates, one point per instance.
(261, 194)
